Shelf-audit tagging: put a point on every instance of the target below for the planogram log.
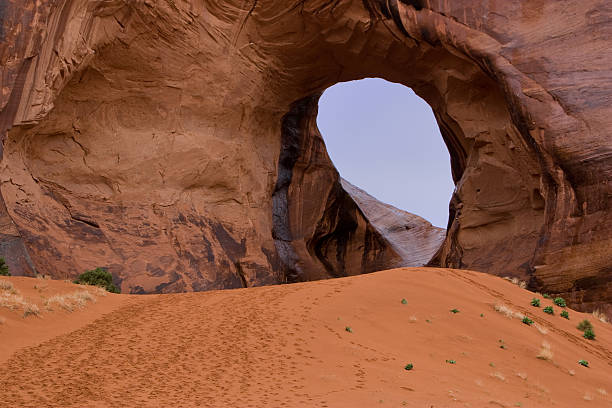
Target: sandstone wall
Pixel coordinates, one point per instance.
(175, 142)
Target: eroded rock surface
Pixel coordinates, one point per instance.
(175, 141)
(413, 238)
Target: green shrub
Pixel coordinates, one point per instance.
(4, 269)
(589, 334)
(565, 314)
(546, 296)
(451, 361)
(549, 310)
(409, 367)
(583, 363)
(527, 321)
(348, 329)
(98, 277)
(559, 301)
(535, 302)
(404, 301)
(454, 310)
(584, 325)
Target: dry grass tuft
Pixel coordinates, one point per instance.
(412, 319)
(70, 301)
(602, 391)
(498, 375)
(30, 309)
(541, 329)
(508, 312)
(8, 287)
(545, 352)
(572, 373)
(521, 284)
(599, 315)
(505, 310)
(522, 376)
(11, 301)
(588, 397)
(2, 320)
(99, 291)
(58, 301)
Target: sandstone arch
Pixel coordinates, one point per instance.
(176, 142)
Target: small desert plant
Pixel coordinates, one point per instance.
(30, 309)
(584, 325)
(454, 311)
(451, 361)
(98, 277)
(4, 269)
(408, 366)
(545, 352)
(549, 310)
(559, 301)
(12, 300)
(521, 284)
(565, 314)
(527, 321)
(6, 285)
(535, 302)
(589, 334)
(404, 302)
(583, 363)
(60, 301)
(505, 310)
(546, 296)
(348, 329)
(70, 301)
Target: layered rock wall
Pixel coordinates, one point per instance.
(174, 141)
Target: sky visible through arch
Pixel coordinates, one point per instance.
(384, 139)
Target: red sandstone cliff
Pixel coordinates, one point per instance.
(174, 142)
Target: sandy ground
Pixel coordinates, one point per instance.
(289, 346)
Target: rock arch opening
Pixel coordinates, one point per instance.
(384, 139)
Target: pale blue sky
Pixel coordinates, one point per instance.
(384, 139)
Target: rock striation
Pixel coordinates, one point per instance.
(413, 238)
(175, 142)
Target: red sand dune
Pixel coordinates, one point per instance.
(287, 346)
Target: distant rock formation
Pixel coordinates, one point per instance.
(175, 142)
(413, 238)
